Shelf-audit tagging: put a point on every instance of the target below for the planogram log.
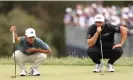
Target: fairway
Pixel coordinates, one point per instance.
(54, 72)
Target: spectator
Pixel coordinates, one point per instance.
(68, 17)
(83, 16)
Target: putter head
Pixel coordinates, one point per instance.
(13, 76)
(102, 74)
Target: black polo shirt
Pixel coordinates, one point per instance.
(107, 34)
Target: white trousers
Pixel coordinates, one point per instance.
(21, 58)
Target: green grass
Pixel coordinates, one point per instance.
(69, 68)
(73, 61)
(58, 72)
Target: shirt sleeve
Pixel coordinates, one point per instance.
(21, 45)
(90, 32)
(43, 45)
(115, 28)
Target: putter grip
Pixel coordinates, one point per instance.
(13, 37)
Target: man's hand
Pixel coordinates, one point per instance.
(32, 50)
(99, 29)
(116, 45)
(13, 28)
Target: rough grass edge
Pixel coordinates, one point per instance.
(72, 61)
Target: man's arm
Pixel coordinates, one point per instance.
(44, 51)
(44, 48)
(17, 39)
(123, 31)
(92, 41)
(48, 51)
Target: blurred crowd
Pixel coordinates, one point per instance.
(83, 15)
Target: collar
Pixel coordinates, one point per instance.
(33, 42)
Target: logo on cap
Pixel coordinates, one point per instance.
(31, 32)
(98, 18)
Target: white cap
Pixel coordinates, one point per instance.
(99, 18)
(30, 32)
(68, 10)
(79, 12)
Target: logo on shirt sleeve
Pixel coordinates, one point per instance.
(89, 36)
(117, 28)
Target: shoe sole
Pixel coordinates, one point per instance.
(22, 75)
(112, 71)
(34, 75)
(37, 75)
(96, 71)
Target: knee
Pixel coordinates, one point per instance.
(17, 54)
(118, 50)
(92, 51)
(43, 56)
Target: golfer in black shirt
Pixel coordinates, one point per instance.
(111, 51)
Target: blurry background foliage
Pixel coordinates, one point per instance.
(45, 17)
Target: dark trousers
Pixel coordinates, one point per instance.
(112, 54)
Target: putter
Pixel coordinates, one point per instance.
(102, 55)
(13, 37)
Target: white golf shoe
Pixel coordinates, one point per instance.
(110, 68)
(23, 73)
(34, 72)
(98, 68)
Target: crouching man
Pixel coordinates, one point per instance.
(30, 49)
(105, 32)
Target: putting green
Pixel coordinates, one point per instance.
(57, 72)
